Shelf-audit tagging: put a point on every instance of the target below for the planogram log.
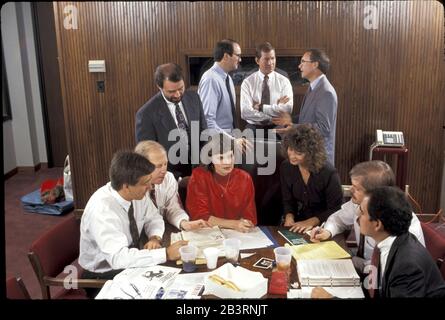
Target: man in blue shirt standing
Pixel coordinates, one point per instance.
(216, 88)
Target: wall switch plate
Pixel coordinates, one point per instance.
(100, 86)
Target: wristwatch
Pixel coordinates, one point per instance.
(260, 107)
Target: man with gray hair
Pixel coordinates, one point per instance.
(164, 192)
(365, 177)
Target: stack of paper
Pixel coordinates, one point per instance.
(156, 282)
(319, 273)
(338, 292)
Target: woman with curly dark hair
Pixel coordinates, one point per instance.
(310, 184)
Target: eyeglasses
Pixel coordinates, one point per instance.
(236, 54)
(303, 61)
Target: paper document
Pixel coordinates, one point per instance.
(254, 239)
(139, 283)
(202, 238)
(340, 272)
(339, 292)
(321, 250)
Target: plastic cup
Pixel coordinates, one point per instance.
(283, 257)
(211, 255)
(188, 257)
(231, 247)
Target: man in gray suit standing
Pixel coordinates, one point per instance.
(172, 108)
(319, 105)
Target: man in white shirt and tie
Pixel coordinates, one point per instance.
(117, 216)
(164, 193)
(265, 93)
(365, 177)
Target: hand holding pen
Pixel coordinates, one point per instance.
(319, 234)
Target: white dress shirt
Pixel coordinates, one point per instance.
(251, 90)
(346, 218)
(168, 201)
(385, 247)
(172, 107)
(105, 232)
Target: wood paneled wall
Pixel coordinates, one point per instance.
(389, 78)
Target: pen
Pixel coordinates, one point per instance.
(136, 289)
(318, 229)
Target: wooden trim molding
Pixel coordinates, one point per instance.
(26, 169)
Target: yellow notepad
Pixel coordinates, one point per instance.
(321, 250)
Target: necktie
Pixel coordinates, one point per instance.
(265, 91)
(374, 275)
(133, 228)
(361, 247)
(182, 123)
(232, 104)
(153, 197)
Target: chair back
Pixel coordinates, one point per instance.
(54, 250)
(15, 289)
(435, 244)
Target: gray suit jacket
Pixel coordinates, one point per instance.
(320, 109)
(154, 122)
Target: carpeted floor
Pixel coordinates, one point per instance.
(22, 228)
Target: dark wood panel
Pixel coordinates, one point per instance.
(390, 78)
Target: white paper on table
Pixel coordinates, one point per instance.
(123, 290)
(339, 292)
(202, 238)
(186, 286)
(254, 239)
(139, 283)
(247, 255)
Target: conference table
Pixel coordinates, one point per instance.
(248, 262)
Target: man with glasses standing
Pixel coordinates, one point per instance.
(217, 90)
(319, 105)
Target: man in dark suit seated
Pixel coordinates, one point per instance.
(400, 265)
(173, 111)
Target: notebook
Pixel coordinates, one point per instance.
(322, 250)
(292, 237)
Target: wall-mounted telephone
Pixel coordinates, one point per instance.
(389, 138)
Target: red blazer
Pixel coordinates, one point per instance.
(208, 197)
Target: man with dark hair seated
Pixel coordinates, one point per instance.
(400, 265)
(118, 219)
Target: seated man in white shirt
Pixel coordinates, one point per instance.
(265, 93)
(164, 194)
(365, 177)
(115, 219)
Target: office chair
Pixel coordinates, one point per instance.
(15, 289)
(51, 253)
(435, 244)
